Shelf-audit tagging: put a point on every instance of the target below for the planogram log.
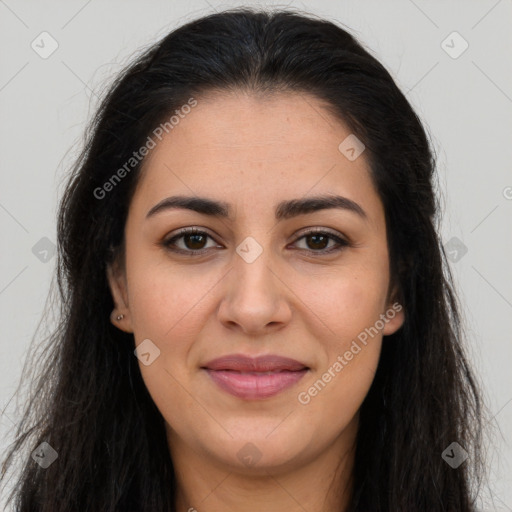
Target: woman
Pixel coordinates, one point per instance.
(257, 311)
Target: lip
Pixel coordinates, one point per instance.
(243, 363)
(255, 378)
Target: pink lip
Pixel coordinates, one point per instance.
(255, 378)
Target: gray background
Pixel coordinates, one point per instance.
(465, 103)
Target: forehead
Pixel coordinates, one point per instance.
(281, 125)
(241, 145)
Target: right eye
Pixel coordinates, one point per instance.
(193, 242)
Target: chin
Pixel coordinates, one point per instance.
(253, 452)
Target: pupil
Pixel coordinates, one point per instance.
(194, 237)
(317, 237)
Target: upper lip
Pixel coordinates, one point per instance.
(266, 363)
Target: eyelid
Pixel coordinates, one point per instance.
(321, 230)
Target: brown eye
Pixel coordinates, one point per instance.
(194, 241)
(191, 241)
(318, 242)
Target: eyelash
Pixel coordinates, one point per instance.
(342, 244)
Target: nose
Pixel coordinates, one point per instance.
(255, 297)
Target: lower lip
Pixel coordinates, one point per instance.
(255, 386)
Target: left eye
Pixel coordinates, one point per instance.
(194, 242)
(320, 239)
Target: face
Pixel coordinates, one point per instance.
(304, 281)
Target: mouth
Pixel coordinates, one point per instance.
(257, 378)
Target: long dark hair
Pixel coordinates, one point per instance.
(89, 401)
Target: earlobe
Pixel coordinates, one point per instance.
(120, 316)
(395, 317)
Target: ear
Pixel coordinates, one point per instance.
(394, 314)
(116, 278)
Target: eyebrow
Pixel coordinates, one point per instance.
(284, 210)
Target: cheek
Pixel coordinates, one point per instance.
(349, 305)
(347, 302)
(350, 356)
(334, 396)
(351, 311)
(166, 307)
(164, 301)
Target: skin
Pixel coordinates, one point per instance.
(253, 152)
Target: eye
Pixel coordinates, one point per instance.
(193, 240)
(318, 241)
